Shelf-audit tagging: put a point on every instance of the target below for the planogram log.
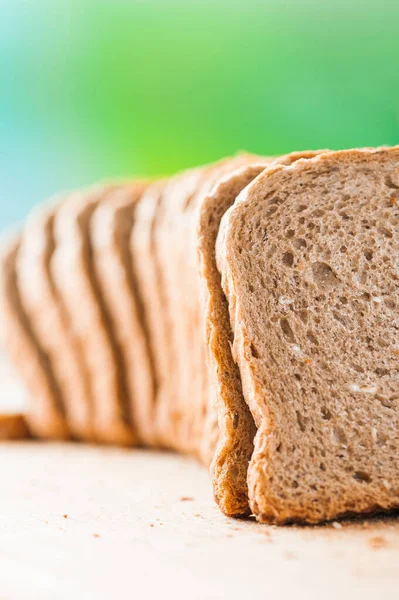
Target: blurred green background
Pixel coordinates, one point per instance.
(92, 89)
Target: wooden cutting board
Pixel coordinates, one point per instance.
(83, 522)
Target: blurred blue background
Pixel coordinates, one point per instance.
(94, 89)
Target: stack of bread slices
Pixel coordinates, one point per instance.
(245, 312)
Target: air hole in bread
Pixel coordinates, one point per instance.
(386, 402)
(288, 259)
(299, 243)
(274, 200)
(378, 437)
(254, 351)
(390, 183)
(362, 477)
(287, 331)
(317, 213)
(385, 231)
(383, 343)
(324, 276)
(380, 371)
(338, 436)
(301, 421)
(357, 368)
(340, 318)
(311, 337)
(301, 208)
(290, 233)
(325, 413)
(303, 315)
(390, 303)
(368, 254)
(272, 210)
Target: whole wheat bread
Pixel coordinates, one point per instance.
(308, 257)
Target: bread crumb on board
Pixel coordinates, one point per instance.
(377, 542)
(336, 525)
(186, 499)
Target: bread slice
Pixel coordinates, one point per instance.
(45, 414)
(111, 229)
(77, 285)
(235, 426)
(173, 409)
(308, 256)
(49, 320)
(151, 306)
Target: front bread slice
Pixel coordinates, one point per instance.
(308, 257)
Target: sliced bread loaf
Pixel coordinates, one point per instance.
(308, 257)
